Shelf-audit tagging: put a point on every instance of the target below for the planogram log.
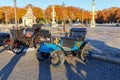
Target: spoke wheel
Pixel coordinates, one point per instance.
(36, 40)
(17, 47)
(57, 58)
(6, 44)
(86, 53)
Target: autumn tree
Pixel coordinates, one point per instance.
(1, 15)
(108, 15)
(38, 12)
(4, 14)
(20, 12)
(69, 13)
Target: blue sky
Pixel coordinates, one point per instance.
(85, 4)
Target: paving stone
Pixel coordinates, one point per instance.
(25, 66)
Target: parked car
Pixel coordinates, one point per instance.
(3, 36)
(117, 24)
(73, 45)
(76, 23)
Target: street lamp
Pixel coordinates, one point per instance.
(82, 18)
(15, 13)
(5, 17)
(53, 16)
(63, 5)
(93, 14)
(71, 20)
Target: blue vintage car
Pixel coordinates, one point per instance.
(74, 45)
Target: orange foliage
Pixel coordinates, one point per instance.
(108, 15)
(66, 12)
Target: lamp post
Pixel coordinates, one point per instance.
(93, 14)
(82, 18)
(53, 16)
(5, 17)
(63, 23)
(15, 13)
(71, 20)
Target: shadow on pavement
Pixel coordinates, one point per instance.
(8, 68)
(102, 48)
(44, 71)
(93, 70)
(71, 72)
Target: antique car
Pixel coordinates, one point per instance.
(21, 38)
(74, 44)
(3, 36)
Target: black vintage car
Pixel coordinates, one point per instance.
(23, 37)
(3, 36)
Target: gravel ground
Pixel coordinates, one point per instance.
(25, 66)
(104, 40)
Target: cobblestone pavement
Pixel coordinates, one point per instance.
(105, 40)
(25, 66)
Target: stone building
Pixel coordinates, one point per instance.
(29, 19)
